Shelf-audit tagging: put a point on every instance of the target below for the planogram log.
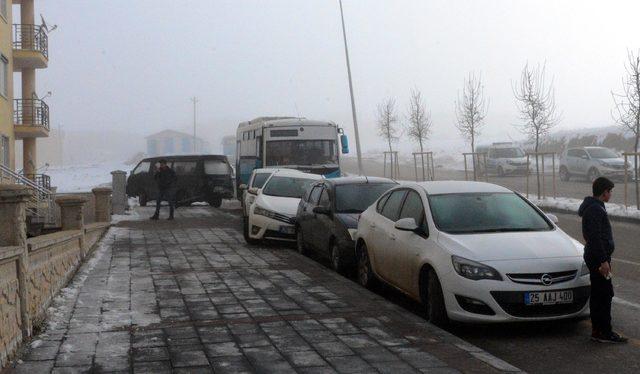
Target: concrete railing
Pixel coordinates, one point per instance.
(34, 270)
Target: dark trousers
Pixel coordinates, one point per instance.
(600, 302)
(164, 195)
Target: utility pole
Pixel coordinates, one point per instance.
(195, 101)
(60, 144)
(353, 103)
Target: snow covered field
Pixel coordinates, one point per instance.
(614, 210)
(82, 178)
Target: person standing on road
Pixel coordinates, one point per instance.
(165, 178)
(596, 230)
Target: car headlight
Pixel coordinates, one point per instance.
(511, 162)
(584, 270)
(604, 163)
(474, 270)
(352, 233)
(258, 210)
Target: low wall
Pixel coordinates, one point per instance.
(88, 210)
(52, 260)
(10, 320)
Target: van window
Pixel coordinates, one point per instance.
(506, 153)
(215, 167)
(184, 167)
(143, 167)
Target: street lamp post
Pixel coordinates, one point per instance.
(195, 101)
(353, 103)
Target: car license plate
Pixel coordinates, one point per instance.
(287, 230)
(548, 297)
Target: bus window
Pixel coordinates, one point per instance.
(301, 152)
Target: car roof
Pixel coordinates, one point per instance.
(295, 173)
(357, 180)
(449, 187)
(187, 157)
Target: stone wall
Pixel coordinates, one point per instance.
(88, 210)
(53, 259)
(34, 270)
(10, 320)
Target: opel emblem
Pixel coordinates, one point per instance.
(546, 279)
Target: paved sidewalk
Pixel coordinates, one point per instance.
(189, 296)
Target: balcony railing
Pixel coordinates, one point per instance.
(31, 38)
(31, 112)
(42, 180)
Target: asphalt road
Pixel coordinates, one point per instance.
(564, 346)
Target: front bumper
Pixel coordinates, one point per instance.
(261, 227)
(506, 300)
(515, 169)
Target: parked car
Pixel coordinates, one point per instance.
(250, 191)
(504, 158)
(472, 251)
(200, 178)
(327, 216)
(272, 215)
(592, 162)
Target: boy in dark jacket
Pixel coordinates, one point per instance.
(596, 230)
(165, 178)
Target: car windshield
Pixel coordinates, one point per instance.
(355, 198)
(301, 152)
(216, 167)
(465, 213)
(287, 186)
(601, 153)
(507, 153)
(259, 179)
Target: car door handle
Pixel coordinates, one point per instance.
(392, 236)
(371, 225)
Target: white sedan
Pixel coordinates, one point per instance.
(273, 212)
(473, 252)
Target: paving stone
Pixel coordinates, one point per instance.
(231, 365)
(72, 370)
(349, 364)
(155, 367)
(46, 350)
(33, 367)
(222, 349)
(358, 341)
(74, 359)
(328, 349)
(150, 354)
(304, 358)
(111, 363)
(188, 356)
(393, 367)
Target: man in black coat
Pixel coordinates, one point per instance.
(165, 178)
(599, 246)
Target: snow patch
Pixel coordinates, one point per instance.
(614, 210)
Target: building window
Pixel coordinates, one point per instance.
(4, 151)
(186, 145)
(4, 75)
(3, 9)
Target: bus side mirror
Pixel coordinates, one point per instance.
(344, 142)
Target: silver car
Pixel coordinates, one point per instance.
(591, 162)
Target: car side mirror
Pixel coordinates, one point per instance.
(242, 187)
(553, 218)
(253, 190)
(406, 224)
(321, 210)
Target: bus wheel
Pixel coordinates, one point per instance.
(215, 202)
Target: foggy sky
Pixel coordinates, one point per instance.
(133, 65)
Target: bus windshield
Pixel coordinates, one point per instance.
(301, 152)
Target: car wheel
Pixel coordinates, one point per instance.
(365, 273)
(245, 232)
(593, 174)
(142, 199)
(300, 245)
(337, 262)
(564, 174)
(500, 171)
(436, 311)
(215, 202)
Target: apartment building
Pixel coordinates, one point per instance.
(24, 48)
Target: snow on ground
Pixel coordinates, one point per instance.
(614, 210)
(82, 178)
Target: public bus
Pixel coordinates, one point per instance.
(298, 143)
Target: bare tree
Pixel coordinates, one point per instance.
(626, 111)
(387, 119)
(536, 104)
(471, 109)
(419, 122)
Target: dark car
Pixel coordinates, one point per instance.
(327, 216)
(200, 178)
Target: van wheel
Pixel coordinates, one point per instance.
(366, 278)
(245, 233)
(142, 199)
(215, 202)
(564, 174)
(300, 245)
(432, 297)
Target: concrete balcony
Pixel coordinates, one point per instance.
(30, 118)
(30, 47)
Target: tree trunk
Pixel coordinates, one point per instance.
(422, 159)
(473, 156)
(537, 166)
(635, 168)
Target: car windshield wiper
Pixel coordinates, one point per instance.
(350, 211)
(502, 229)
